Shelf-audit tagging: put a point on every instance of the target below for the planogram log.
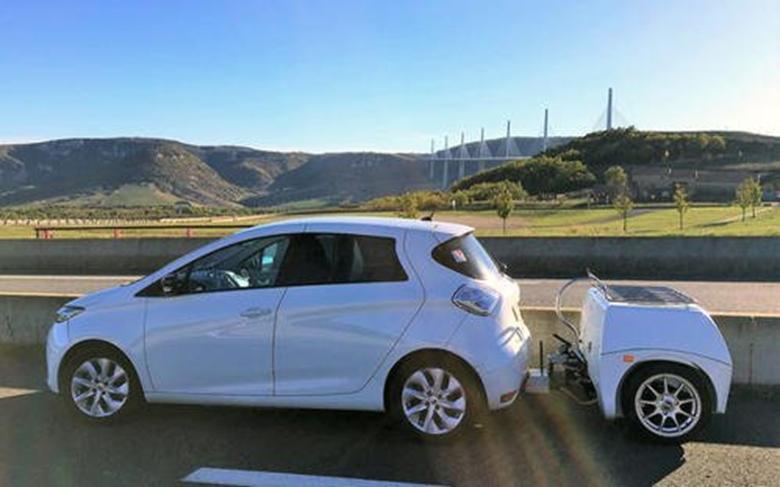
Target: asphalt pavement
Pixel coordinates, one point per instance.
(541, 440)
(728, 297)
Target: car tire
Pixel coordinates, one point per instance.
(667, 402)
(434, 398)
(99, 384)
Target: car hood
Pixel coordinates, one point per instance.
(103, 297)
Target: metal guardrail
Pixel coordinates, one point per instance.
(47, 233)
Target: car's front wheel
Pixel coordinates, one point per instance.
(435, 398)
(100, 384)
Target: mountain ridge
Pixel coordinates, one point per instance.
(76, 169)
(144, 171)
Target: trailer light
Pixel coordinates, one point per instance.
(628, 358)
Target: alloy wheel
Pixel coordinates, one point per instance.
(668, 405)
(433, 401)
(99, 387)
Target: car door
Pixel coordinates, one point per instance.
(212, 333)
(349, 298)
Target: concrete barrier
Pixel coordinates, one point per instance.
(25, 320)
(708, 258)
(93, 256)
(702, 258)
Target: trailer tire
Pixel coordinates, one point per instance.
(667, 402)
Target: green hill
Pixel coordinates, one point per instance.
(628, 146)
(144, 171)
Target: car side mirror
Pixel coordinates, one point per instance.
(169, 284)
(504, 268)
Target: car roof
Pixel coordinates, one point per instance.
(364, 223)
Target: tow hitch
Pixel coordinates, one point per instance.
(566, 369)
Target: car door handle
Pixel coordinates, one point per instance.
(256, 312)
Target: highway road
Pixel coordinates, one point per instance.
(722, 297)
(540, 440)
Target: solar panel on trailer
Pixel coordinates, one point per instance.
(647, 294)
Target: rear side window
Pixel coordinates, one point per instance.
(465, 255)
(340, 259)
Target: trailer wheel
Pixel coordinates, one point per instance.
(667, 402)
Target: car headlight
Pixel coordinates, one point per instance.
(67, 312)
(477, 300)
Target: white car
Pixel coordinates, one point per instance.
(379, 314)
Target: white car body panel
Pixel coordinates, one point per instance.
(330, 339)
(195, 341)
(322, 346)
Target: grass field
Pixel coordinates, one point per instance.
(600, 222)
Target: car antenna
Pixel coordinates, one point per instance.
(429, 218)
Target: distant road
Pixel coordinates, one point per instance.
(724, 297)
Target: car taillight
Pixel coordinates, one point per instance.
(477, 300)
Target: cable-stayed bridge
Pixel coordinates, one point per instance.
(449, 164)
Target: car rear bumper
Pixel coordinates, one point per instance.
(503, 381)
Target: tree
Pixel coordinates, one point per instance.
(617, 181)
(540, 175)
(409, 206)
(681, 202)
(617, 184)
(489, 191)
(748, 194)
(504, 205)
(756, 194)
(623, 204)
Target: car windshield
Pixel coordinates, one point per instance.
(466, 256)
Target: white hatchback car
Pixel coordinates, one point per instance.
(380, 314)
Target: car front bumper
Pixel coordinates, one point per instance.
(56, 345)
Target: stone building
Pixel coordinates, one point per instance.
(658, 183)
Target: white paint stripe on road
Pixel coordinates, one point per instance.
(254, 478)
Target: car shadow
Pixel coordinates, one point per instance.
(539, 440)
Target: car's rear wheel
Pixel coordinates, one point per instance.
(434, 398)
(667, 402)
(99, 384)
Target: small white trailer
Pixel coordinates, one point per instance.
(649, 354)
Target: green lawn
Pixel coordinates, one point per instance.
(658, 222)
(602, 222)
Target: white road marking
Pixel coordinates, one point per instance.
(254, 478)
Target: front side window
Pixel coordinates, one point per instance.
(340, 259)
(250, 264)
(465, 255)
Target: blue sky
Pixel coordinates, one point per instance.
(332, 76)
